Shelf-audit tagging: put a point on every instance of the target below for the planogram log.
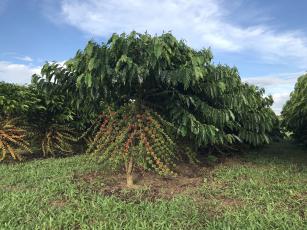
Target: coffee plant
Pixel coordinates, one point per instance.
(208, 104)
(15, 100)
(294, 113)
(134, 137)
(51, 122)
(58, 139)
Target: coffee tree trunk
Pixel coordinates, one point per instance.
(129, 170)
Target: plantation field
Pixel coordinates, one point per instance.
(265, 189)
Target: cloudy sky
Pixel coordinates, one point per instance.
(266, 40)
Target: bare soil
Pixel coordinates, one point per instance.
(148, 185)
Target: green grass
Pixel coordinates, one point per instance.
(265, 189)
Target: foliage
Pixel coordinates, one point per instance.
(15, 100)
(209, 104)
(49, 108)
(223, 110)
(294, 113)
(10, 138)
(51, 121)
(61, 99)
(45, 117)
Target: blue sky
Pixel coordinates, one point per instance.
(266, 40)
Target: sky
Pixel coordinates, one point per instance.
(265, 40)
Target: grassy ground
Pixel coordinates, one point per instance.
(262, 190)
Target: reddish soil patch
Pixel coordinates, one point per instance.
(149, 186)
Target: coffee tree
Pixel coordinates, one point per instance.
(15, 102)
(294, 112)
(161, 90)
(51, 122)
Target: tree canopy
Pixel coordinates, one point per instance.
(209, 104)
(294, 112)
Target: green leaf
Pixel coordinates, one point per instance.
(79, 80)
(157, 48)
(88, 80)
(198, 73)
(89, 48)
(91, 64)
(183, 130)
(222, 86)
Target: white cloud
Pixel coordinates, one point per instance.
(279, 101)
(25, 58)
(200, 22)
(17, 73)
(274, 79)
(278, 85)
